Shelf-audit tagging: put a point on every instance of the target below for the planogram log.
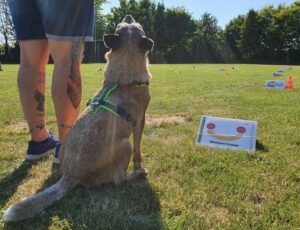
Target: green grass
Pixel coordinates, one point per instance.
(188, 187)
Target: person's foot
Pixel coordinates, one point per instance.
(56, 159)
(37, 150)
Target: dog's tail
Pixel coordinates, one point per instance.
(38, 202)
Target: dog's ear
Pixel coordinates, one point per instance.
(111, 41)
(146, 43)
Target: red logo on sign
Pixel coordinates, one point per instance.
(241, 129)
(211, 126)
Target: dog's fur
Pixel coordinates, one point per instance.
(97, 149)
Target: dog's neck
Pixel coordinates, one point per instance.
(125, 68)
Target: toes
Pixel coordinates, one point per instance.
(138, 173)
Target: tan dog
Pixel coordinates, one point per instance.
(97, 149)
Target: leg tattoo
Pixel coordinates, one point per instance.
(74, 91)
(40, 99)
(40, 125)
(74, 80)
(66, 126)
(77, 51)
(41, 78)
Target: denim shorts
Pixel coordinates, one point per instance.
(71, 20)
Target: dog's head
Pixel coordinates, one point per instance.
(130, 35)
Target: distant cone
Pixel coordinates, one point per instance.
(289, 83)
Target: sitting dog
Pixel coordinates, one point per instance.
(97, 149)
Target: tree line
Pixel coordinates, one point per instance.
(269, 35)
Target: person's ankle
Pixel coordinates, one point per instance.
(40, 137)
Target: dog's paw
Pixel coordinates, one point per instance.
(137, 165)
(138, 173)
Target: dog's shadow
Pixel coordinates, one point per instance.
(10, 183)
(133, 205)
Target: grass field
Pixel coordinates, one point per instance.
(188, 186)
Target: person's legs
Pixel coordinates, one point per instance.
(67, 24)
(31, 84)
(66, 83)
(31, 77)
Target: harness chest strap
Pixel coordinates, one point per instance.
(102, 102)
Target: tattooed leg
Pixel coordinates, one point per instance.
(66, 85)
(31, 85)
(39, 98)
(38, 127)
(74, 79)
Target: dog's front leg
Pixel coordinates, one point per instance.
(137, 155)
(137, 138)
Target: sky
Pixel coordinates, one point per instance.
(223, 10)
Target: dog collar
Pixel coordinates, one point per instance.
(140, 83)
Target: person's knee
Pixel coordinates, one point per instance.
(36, 65)
(34, 61)
(34, 55)
(61, 52)
(67, 52)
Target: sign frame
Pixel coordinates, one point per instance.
(242, 137)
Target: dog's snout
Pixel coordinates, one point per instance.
(128, 19)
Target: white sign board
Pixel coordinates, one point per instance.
(227, 133)
(278, 84)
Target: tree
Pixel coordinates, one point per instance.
(207, 44)
(118, 13)
(160, 33)
(6, 26)
(142, 11)
(145, 16)
(294, 52)
(210, 38)
(179, 29)
(100, 20)
(232, 36)
(288, 20)
(250, 37)
(270, 35)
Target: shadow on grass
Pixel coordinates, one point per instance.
(134, 205)
(10, 183)
(261, 147)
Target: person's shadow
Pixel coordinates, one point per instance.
(134, 205)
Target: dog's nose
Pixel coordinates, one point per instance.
(128, 19)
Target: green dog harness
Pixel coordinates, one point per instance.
(102, 102)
